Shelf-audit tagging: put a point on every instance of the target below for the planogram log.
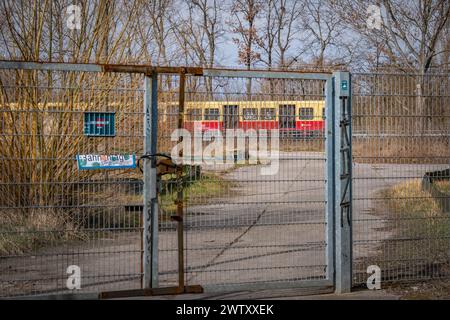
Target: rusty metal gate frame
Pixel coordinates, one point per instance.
(337, 173)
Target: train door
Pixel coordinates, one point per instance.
(286, 118)
(230, 117)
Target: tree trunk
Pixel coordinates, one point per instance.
(421, 118)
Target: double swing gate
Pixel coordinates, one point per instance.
(235, 180)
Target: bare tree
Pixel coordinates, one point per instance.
(408, 38)
(198, 30)
(445, 48)
(210, 25)
(158, 12)
(323, 30)
(244, 25)
(37, 30)
(268, 31)
(287, 13)
(410, 31)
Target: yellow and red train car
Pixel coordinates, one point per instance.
(302, 118)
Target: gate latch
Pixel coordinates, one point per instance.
(164, 163)
(165, 166)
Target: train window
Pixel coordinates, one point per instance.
(267, 114)
(194, 114)
(212, 114)
(306, 113)
(250, 113)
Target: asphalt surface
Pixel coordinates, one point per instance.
(266, 229)
(273, 228)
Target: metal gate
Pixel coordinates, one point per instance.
(244, 229)
(248, 205)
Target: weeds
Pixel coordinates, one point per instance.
(421, 229)
(400, 150)
(443, 186)
(196, 192)
(26, 233)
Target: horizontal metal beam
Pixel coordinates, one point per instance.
(265, 74)
(90, 67)
(148, 69)
(61, 296)
(393, 135)
(50, 66)
(301, 284)
(150, 292)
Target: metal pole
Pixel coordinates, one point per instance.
(150, 236)
(180, 228)
(343, 181)
(330, 178)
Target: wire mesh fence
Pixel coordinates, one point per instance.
(53, 215)
(401, 132)
(243, 227)
(253, 183)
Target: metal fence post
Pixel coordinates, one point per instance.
(343, 181)
(150, 237)
(330, 179)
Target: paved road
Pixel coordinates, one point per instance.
(274, 228)
(268, 228)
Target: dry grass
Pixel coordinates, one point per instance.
(421, 230)
(197, 192)
(429, 290)
(443, 186)
(401, 150)
(408, 198)
(25, 233)
(42, 132)
(421, 212)
(297, 145)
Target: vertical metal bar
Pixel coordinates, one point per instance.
(154, 182)
(350, 172)
(330, 180)
(342, 173)
(150, 236)
(180, 229)
(146, 239)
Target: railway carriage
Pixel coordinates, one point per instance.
(293, 118)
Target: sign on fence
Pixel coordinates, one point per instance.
(99, 124)
(117, 161)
